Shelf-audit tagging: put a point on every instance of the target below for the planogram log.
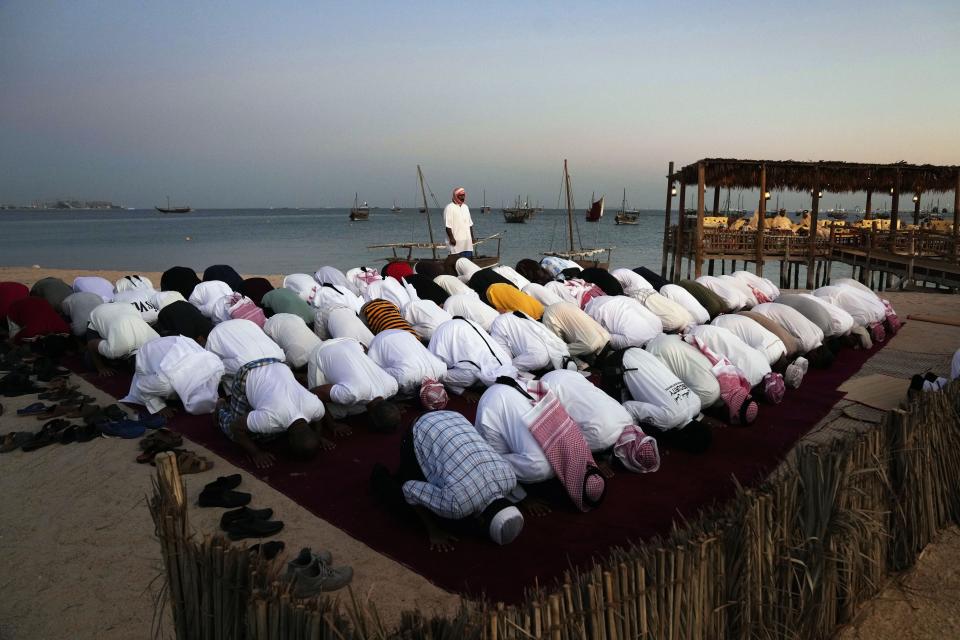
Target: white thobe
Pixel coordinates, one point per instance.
(143, 300)
(277, 400)
(332, 296)
(532, 345)
(206, 294)
(732, 296)
(629, 323)
(175, 365)
(293, 335)
(541, 294)
(764, 285)
(630, 280)
(388, 289)
(751, 362)
(94, 284)
(841, 322)
(866, 309)
(240, 341)
(303, 285)
(122, 329)
(685, 299)
(511, 274)
(687, 363)
(127, 283)
(672, 315)
(355, 377)
(78, 307)
(754, 334)
(332, 275)
(470, 354)
(583, 335)
(164, 298)
(809, 336)
(472, 308)
(345, 323)
(424, 316)
(601, 418)
(558, 290)
(453, 285)
(741, 286)
(405, 358)
(500, 420)
(658, 396)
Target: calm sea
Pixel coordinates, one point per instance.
(287, 241)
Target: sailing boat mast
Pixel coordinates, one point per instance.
(426, 209)
(566, 182)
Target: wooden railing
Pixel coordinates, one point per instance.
(917, 243)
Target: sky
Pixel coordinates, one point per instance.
(255, 104)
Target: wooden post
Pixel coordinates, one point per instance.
(716, 200)
(678, 251)
(894, 213)
(812, 239)
(829, 273)
(701, 173)
(868, 213)
(916, 209)
(666, 221)
(761, 219)
(956, 218)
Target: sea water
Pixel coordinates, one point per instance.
(283, 241)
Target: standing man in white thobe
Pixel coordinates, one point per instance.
(459, 225)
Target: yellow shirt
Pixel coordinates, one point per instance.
(506, 298)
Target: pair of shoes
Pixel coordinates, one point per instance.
(48, 434)
(795, 371)
(312, 573)
(249, 523)
(17, 383)
(220, 493)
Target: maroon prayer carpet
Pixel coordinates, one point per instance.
(335, 486)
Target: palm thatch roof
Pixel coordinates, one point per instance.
(826, 175)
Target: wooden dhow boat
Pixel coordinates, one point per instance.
(584, 256)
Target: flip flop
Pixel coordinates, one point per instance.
(188, 462)
(126, 429)
(69, 434)
(84, 411)
(34, 409)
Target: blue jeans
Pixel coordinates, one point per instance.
(463, 254)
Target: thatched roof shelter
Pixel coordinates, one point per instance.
(825, 175)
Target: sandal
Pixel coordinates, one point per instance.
(14, 440)
(161, 436)
(87, 432)
(34, 409)
(189, 462)
(48, 434)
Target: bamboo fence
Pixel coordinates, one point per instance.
(792, 558)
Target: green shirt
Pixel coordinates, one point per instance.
(286, 301)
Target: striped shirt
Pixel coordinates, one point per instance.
(463, 474)
(382, 315)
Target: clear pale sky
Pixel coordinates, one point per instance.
(241, 103)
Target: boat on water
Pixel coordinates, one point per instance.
(448, 263)
(484, 208)
(626, 216)
(584, 256)
(395, 208)
(169, 209)
(358, 211)
(595, 212)
(837, 213)
(521, 211)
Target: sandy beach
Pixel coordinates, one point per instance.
(81, 559)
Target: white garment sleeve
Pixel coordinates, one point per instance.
(457, 379)
(153, 389)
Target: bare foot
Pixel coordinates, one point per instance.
(326, 444)
(534, 507)
(339, 429)
(606, 469)
(471, 397)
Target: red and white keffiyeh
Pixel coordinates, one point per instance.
(565, 448)
(459, 195)
(734, 386)
(637, 451)
(243, 307)
(433, 395)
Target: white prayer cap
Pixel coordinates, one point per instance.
(506, 525)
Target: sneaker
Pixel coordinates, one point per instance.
(795, 371)
(305, 559)
(318, 578)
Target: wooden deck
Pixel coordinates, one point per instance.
(910, 255)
